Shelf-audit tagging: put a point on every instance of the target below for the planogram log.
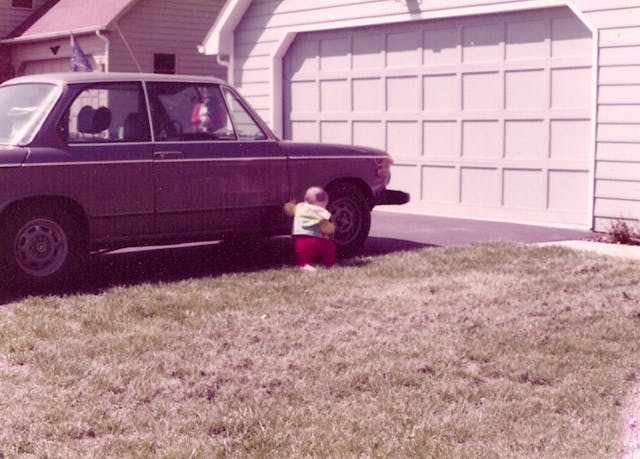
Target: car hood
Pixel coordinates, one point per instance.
(322, 149)
(12, 156)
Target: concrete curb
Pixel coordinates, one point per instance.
(603, 248)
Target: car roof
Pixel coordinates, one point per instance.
(93, 77)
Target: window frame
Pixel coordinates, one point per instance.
(79, 89)
(224, 89)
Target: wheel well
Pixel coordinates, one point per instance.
(50, 202)
(360, 184)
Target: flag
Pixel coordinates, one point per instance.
(79, 60)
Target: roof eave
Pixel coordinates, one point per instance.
(52, 35)
(219, 40)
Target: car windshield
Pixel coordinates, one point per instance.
(22, 109)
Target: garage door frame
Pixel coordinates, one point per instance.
(278, 103)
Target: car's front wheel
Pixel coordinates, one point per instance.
(40, 246)
(351, 214)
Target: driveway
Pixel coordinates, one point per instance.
(442, 231)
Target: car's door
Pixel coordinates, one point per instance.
(216, 170)
(106, 163)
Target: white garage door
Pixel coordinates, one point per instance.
(486, 117)
(47, 66)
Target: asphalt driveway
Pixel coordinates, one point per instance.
(442, 231)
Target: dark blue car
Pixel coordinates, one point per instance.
(95, 161)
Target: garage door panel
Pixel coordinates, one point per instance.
(482, 91)
(369, 134)
(441, 93)
(403, 139)
(304, 97)
(482, 43)
(406, 177)
(570, 37)
(367, 51)
(526, 140)
(571, 87)
(526, 89)
(479, 186)
(334, 54)
(305, 131)
(524, 188)
(403, 94)
(570, 139)
(565, 189)
(440, 184)
(485, 116)
(368, 94)
(335, 132)
(481, 139)
(527, 40)
(335, 96)
(441, 139)
(441, 47)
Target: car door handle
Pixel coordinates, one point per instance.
(167, 154)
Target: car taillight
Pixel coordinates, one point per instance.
(384, 166)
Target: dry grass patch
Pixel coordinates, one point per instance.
(498, 350)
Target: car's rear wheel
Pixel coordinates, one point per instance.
(351, 214)
(40, 246)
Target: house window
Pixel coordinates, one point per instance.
(164, 63)
(22, 4)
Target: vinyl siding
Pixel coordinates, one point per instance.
(617, 167)
(617, 173)
(166, 26)
(10, 17)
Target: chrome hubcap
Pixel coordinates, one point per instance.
(347, 219)
(41, 247)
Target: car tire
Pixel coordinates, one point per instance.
(41, 247)
(351, 214)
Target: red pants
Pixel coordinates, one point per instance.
(309, 248)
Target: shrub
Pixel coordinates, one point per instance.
(622, 232)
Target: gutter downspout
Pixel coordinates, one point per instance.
(222, 60)
(107, 49)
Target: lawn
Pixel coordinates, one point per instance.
(494, 350)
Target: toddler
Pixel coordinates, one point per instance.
(312, 229)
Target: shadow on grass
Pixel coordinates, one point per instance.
(190, 261)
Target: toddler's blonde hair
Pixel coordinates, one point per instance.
(316, 195)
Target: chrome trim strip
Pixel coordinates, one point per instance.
(339, 157)
(87, 163)
(149, 161)
(162, 142)
(216, 160)
(8, 166)
(103, 144)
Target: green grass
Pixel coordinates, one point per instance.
(497, 350)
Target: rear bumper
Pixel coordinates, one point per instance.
(391, 197)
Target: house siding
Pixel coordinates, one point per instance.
(617, 172)
(617, 114)
(11, 17)
(166, 26)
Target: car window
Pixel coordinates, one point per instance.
(189, 112)
(246, 127)
(22, 109)
(102, 113)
